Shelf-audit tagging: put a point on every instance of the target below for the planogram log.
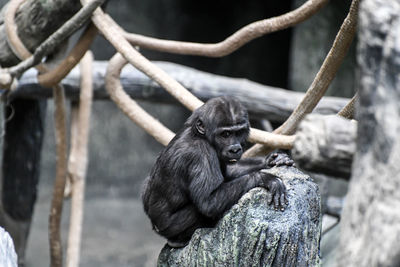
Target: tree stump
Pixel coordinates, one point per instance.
(252, 233)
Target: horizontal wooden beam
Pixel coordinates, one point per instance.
(262, 101)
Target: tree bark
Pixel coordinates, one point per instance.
(325, 144)
(262, 101)
(370, 230)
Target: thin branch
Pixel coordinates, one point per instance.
(113, 85)
(6, 80)
(13, 40)
(54, 76)
(56, 38)
(59, 183)
(271, 139)
(321, 81)
(153, 126)
(78, 159)
(327, 71)
(47, 78)
(233, 42)
(348, 110)
(113, 33)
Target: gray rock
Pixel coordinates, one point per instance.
(8, 257)
(252, 233)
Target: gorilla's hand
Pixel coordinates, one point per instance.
(277, 191)
(279, 159)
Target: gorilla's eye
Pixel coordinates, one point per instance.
(226, 134)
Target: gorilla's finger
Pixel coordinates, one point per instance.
(276, 201)
(269, 198)
(283, 202)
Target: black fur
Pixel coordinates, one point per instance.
(199, 176)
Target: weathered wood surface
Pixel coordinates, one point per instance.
(263, 101)
(370, 226)
(325, 144)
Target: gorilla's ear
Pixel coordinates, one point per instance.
(200, 127)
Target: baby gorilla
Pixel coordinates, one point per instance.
(200, 175)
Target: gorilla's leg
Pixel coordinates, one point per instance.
(180, 226)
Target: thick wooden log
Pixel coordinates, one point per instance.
(274, 104)
(325, 144)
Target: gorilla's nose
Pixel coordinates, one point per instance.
(235, 149)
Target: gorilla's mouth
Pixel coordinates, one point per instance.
(233, 160)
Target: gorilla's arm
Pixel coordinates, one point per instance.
(279, 158)
(213, 196)
(244, 166)
(249, 165)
